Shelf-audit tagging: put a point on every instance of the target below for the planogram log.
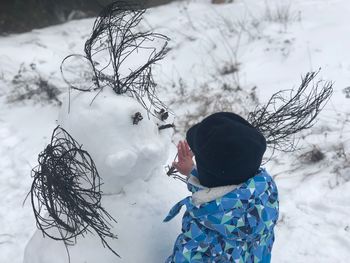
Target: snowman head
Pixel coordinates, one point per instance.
(123, 149)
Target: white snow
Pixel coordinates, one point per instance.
(272, 54)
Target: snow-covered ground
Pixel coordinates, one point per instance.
(272, 43)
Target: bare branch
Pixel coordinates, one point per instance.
(288, 113)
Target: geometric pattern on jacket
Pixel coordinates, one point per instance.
(236, 227)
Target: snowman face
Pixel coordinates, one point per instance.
(123, 149)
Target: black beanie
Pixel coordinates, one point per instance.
(227, 148)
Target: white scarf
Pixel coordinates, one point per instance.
(208, 194)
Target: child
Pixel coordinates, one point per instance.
(231, 214)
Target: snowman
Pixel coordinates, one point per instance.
(120, 123)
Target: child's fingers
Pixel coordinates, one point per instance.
(183, 150)
(179, 152)
(176, 165)
(188, 150)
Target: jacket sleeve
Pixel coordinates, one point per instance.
(193, 184)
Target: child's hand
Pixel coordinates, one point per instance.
(185, 163)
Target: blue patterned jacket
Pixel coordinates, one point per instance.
(236, 227)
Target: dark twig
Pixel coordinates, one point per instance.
(289, 112)
(173, 173)
(66, 187)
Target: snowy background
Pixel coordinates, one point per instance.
(222, 57)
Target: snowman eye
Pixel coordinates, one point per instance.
(136, 118)
(162, 114)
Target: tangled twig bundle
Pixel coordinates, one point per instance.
(289, 112)
(116, 50)
(66, 186)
